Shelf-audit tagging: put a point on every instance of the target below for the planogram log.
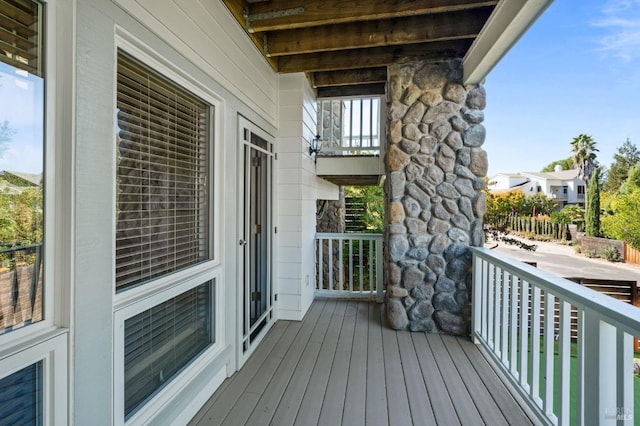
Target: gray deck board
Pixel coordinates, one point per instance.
(397, 397)
(343, 365)
(462, 402)
(309, 411)
(268, 403)
(376, 406)
(487, 407)
(334, 396)
(418, 398)
(441, 404)
(512, 411)
(292, 398)
(355, 396)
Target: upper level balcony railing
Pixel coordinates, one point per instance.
(350, 126)
(20, 286)
(584, 378)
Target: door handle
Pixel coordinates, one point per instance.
(243, 242)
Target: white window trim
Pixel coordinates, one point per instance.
(130, 302)
(46, 340)
(129, 44)
(52, 351)
(169, 392)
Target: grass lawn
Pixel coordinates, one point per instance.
(573, 383)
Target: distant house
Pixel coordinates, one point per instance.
(563, 186)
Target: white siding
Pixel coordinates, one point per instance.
(203, 44)
(298, 189)
(208, 35)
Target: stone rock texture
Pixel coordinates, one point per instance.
(434, 169)
(330, 217)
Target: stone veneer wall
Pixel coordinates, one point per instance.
(330, 217)
(435, 167)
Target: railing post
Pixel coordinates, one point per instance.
(379, 269)
(320, 267)
(476, 296)
(599, 383)
(624, 378)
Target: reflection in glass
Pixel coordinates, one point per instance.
(21, 172)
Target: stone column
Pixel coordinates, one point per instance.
(434, 167)
(330, 217)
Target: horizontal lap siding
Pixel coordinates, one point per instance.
(207, 34)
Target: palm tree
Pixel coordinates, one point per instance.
(584, 156)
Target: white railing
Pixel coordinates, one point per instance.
(510, 321)
(349, 265)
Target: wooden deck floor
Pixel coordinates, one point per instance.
(341, 365)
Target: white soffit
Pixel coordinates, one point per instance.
(508, 22)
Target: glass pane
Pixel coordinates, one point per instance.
(162, 176)
(161, 341)
(21, 397)
(21, 167)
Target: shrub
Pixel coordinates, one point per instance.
(577, 248)
(610, 253)
(590, 253)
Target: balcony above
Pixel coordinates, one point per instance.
(350, 169)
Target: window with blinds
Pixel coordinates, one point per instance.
(163, 134)
(161, 341)
(20, 35)
(21, 397)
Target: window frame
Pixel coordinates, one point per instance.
(47, 341)
(144, 54)
(132, 301)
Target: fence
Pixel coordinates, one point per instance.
(539, 227)
(631, 255)
(533, 345)
(349, 265)
(20, 287)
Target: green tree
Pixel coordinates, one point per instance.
(566, 164)
(373, 198)
(592, 217)
(21, 216)
(584, 156)
(6, 135)
(625, 158)
(623, 223)
(633, 181)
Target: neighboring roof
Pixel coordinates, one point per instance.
(561, 175)
(31, 179)
(507, 175)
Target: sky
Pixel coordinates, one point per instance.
(577, 70)
(21, 106)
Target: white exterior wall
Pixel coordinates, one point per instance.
(201, 41)
(298, 189)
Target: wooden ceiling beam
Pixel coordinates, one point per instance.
(373, 57)
(356, 90)
(290, 14)
(350, 77)
(236, 7)
(410, 30)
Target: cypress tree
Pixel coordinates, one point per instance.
(592, 215)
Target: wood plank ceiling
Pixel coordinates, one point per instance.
(346, 46)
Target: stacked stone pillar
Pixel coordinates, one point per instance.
(330, 217)
(435, 201)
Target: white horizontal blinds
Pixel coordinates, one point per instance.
(20, 34)
(162, 192)
(160, 341)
